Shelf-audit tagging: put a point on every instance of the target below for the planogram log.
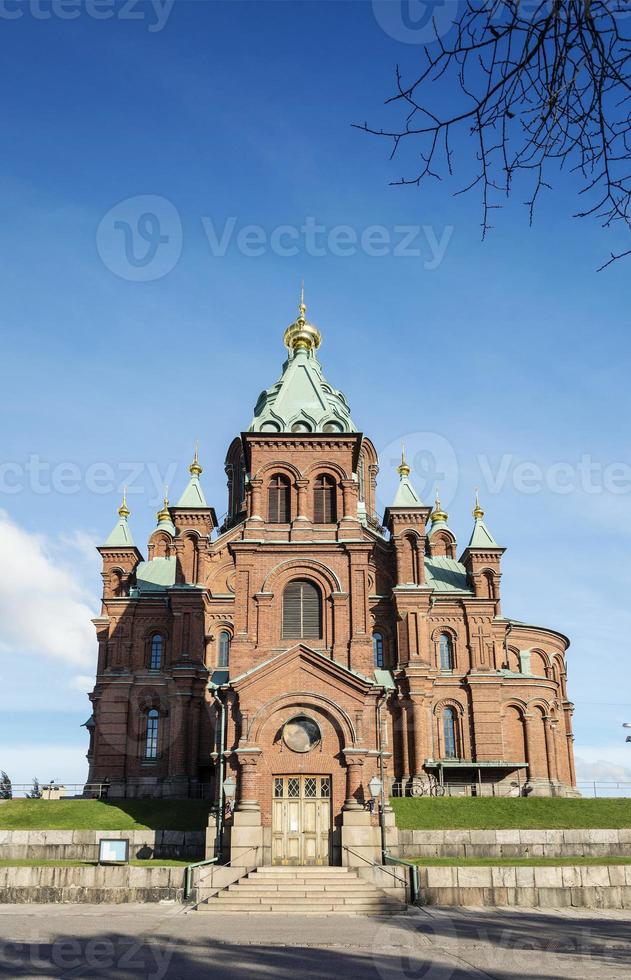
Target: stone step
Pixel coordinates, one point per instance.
(309, 869)
(257, 886)
(333, 909)
(290, 896)
(306, 902)
(268, 882)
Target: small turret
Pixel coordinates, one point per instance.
(120, 555)
(441, 539)
(481, 558)
(406, 518)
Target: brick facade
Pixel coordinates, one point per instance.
(504, 686)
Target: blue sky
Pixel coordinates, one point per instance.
(502, 364)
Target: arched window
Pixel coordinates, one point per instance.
(151, 740)
(223, 654)
(377, 649)
(155, 660)
(278, 509)
(449, 733)
(302, 611)
(446, 652)
(325, 500)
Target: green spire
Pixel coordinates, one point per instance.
(481, 536)
(193, 496)
(121, 535)
(302, 400)
(406, 495)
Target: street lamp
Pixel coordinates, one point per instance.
(229, 788)
(375, 786)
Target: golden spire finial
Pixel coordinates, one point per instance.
(438, 514)
(478, 513)
(124, 510)
(164, 514)
(301, 335)
(403, 469)
(302, 308)
(195, 469)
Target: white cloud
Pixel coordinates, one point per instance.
(605, 764)
(65, 763)
(44, 609)
(81, 682)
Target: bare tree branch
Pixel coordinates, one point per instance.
(541, 86)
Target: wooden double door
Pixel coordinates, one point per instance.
(301, 819)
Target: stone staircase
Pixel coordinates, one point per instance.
(303, 891)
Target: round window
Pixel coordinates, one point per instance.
(301, 734)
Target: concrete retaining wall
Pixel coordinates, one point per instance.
(82, 845)
(112, 885)
(579, 887)
(512, 843)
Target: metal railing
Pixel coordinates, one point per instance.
(100, 791)
(586, 788)
(215, 860)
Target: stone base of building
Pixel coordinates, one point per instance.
(149, 788)
(549, 787)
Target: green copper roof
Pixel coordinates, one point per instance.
(193, 496)
(406, 495)
(120, 536)
(482, 537)
(446, 575)
(302, 396)
(156, 574)
(166, 525)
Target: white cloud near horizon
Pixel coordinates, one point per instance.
(44, 608)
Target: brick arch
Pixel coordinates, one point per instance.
(328, 468)
(537, 703)
(148, 698)
(518, 703)
(161, 544)
(338, 716)
(282, 573)
(440, 706)
(217, 575)
(512, 656)
(278, 466)
(545, 660)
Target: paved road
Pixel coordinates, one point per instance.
(141, 942)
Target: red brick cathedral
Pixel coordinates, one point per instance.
(304, 647)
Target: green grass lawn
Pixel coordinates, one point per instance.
(531, 862)
(101, 815)
(495, 813)
(33, 863)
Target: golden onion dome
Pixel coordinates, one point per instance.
(438, 515)
(301, 335)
